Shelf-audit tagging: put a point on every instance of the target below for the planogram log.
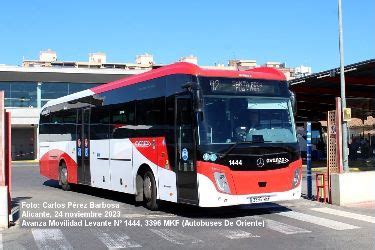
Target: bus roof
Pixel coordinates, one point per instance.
(191, 69)
(172, 69)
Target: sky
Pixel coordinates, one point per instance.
(298, 32)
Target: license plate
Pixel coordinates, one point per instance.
(259, 199)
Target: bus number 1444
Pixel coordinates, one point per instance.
(235, 162)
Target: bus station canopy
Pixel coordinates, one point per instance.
(316, 93)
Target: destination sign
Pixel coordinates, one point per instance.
(237, 86)
(244, 86)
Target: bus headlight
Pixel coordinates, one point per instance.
(221, 182)
(297, 173)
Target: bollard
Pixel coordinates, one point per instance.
(308, 160)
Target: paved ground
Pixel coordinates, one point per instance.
(287, 225)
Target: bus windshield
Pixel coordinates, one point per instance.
(232, 119)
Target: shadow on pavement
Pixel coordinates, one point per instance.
(16, 205)
(190, 211)
(52, 183)
(182, 210)
(95, 192)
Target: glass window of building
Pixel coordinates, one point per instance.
(53, 90)
(76, 87)
(24, 94)
(5, 86)
(19, 94)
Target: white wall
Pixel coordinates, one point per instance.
(21, 117)
(347, 188)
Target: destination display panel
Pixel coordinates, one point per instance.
(243, 86)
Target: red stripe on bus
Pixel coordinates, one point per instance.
(154, 149)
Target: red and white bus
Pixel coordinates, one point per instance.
(179, 133)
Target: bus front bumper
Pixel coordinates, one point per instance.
(210, 197)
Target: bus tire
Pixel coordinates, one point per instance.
(63, 177)
(149, 191)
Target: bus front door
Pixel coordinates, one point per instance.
(187, 188)
(83, 147)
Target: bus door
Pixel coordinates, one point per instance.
(83, 146)
(187, 188)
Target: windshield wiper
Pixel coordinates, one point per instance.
(238, 143)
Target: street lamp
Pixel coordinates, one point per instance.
(343, 100)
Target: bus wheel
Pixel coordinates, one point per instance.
(149, 191)
(63, 180)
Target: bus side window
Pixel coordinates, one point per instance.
(69, 118)
(56, 128)
(99, 124)
(150, 116)
(44, 125)
(122, 120)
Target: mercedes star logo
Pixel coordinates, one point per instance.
(260, 162)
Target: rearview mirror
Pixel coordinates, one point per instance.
(293, 101)
(196, 90)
